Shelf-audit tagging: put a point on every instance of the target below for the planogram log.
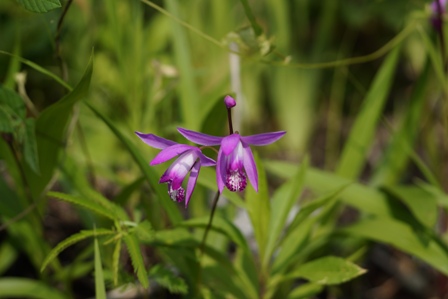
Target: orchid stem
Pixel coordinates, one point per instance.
(204, 239)
(210, 220)
(229, 118)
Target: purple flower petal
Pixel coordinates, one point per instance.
(171, 152)
(221, 170)
(206, 161)
(229, 143)
(200, 138)
(177, 172)
(263, 139)
(250, 167)
(192, 181)
(155, 141)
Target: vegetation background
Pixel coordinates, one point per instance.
(352, 201)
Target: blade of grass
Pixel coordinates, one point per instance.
(281, 205)
(397, 155)
(100, 288)
(361, 135)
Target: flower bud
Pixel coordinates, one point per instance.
(230, 102)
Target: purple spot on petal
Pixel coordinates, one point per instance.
(236, 180)
(176, 194)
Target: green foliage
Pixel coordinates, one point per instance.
(168, 280)
(72, 240)
(40, 5)
(361, 135)
(100, 289)
(328, 270)
(13, 120)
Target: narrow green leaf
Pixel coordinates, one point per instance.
(299, 230)
(137, 260)
(30, 146)
(86, 203)
(281, 205)
(28, 288)
(79, 180)
(259, 208)
(250, 16)
(247, 272)
(188, 93)
(361, 135)
(421, 203)
(14, 63)
(167, 279)
(397, 154)
(51, 133)
(116, 261)
(150, 174)
(328, 270)
(403, 237)
(100, 288)
(72, 240)
(40, 5)
(39, 69)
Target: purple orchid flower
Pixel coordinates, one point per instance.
(235, 159)
(437, 9)
(190, 160)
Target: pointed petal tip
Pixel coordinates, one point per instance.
(199, 138)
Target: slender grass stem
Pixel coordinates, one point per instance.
(57, 41)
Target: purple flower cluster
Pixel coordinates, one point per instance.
(235, 163)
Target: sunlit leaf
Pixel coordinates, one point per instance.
(328, 270)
